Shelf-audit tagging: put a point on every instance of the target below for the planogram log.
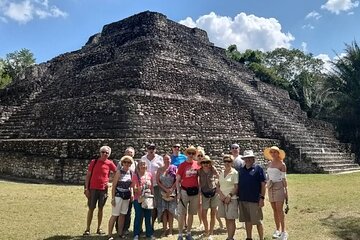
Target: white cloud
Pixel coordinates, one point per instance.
(246, 31)
(337, 6)
(304, 47)
(313, 14)
(27, 10)
(308, 26)
(327, 62)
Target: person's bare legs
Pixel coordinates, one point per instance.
(260, 229)
(165, 222)
(248, 228)
(171, 223)
(281, 215)
(212, 220)
(100, 216)
(230, 227)
(276, 216)
(190, 222)
(89, 218)
(205, 221)
(121, 221)
(111, 225)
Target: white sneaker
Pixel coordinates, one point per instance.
(284, 236)
(210, 237)
(276, 234)
(136, 237)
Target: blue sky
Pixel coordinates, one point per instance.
(52, 27)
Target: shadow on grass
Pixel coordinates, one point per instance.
(66, 237)
(347, 228)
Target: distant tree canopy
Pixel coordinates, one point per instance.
(14, 65)
(333, 96)
(291, 69)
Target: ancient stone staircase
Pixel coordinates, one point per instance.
(313, 147)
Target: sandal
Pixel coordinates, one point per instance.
(100, 232)
(86, 233)
(122, 236)
(111, 238)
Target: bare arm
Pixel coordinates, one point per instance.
(114, 183)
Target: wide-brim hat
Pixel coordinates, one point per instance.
(268, 156)
(127, 158)
(248, 154)
(190, 149)
(206, 159)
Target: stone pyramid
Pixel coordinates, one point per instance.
(149, 79)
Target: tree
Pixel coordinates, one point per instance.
(16, 62)
(4, 77)
(345, 82)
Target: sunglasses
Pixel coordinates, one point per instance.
(191, 153)
(273, 151)
(151, 148)
(227, 161)
(176, 147)
(206, 162)
(200, 155)
(104, 152)
(235, 148)
(127, 162)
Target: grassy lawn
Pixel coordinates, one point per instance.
(321, 207)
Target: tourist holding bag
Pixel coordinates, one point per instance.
(143, 199)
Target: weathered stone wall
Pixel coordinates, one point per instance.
(66, 160)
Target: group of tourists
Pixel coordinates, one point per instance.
(179, 186)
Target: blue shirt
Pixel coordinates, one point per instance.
(250, 183)
(177, 160)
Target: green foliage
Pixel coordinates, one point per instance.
(345, 82)
(5, 79)
(16, 62)
(291, 69)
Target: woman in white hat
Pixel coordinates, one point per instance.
(208, 180)
(277, 188)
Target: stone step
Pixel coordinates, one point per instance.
(341, 170)
(321, 162)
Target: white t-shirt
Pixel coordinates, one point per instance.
(238, 162)
(227, 183)
(153, 165)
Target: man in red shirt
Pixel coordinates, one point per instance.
(188, 189)
(96, 181)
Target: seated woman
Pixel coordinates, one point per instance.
(166, 180)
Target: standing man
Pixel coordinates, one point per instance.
(235, 152)
(251, 194)
(187, 185)
(153, 163)
(177, 157)
(96, 186)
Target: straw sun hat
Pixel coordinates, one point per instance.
(268, 156)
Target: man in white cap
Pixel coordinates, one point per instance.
(251, 192)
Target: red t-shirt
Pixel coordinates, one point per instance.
(100, 173)
(188, 173)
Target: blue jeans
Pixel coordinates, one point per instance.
(139, 211)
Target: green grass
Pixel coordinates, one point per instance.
(321, 207)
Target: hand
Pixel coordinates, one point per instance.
(131, 198)
(87, 193)
(261, 202)
(168, 191)
(227, 200)
(113, 202)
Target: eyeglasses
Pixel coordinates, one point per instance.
(235, 148)
(151, 148)
(104, 152)
(191, 153)
(200, 155)
(176, 147)
(127, 162)
(273, 151)
(227, 161)
(205, 162)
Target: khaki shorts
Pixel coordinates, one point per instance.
(228, 211)
(250, 212)
(121, 206)
(212, 202)
(191, 203)
(97, 196)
